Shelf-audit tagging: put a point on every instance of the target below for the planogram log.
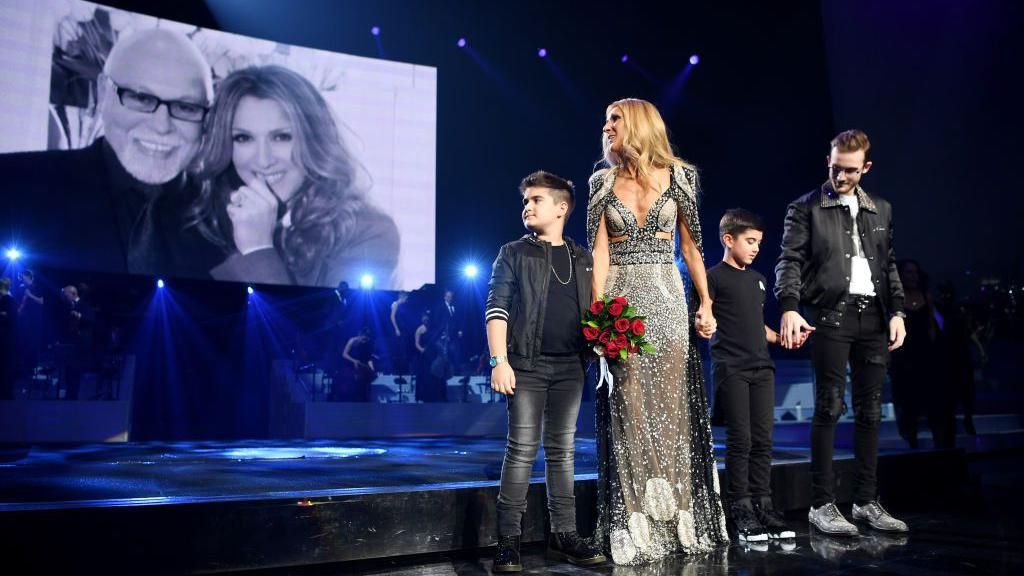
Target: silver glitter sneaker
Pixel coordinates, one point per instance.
(829, 520)
(875, 516)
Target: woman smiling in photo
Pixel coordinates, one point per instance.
(278, 188)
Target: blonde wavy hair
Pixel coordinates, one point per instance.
(644, 141)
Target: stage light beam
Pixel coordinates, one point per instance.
(461, 43)
(375, 30)
(12, 253)
(160, 283)
(470, 270)
(695, 59)
(366, 281)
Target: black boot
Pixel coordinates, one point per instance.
(506, 559)
(568, 546)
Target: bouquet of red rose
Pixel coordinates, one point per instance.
(614, 330)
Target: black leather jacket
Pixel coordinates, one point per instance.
(817, 245)
(518, 293)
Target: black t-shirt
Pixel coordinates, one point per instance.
(738, 305)
(562, 330)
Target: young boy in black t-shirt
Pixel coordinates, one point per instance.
(745, 378)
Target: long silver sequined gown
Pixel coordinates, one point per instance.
(658, 490)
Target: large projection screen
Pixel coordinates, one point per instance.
(65, 194)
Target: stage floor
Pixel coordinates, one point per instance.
(973, 531)
(104, 474)
(182, 472)
(242, 505)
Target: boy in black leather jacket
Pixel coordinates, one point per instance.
(539, 289)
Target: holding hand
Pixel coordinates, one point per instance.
(705, 321)
(794, 330)
(503, 379)
(253, 213)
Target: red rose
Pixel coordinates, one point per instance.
(622, 325)
(620, 300)
(615, 309)
(596, 307)
(633, 348)
(591, 333)
(611, 350)
(639, 328)
(620, 341)
(605, 336)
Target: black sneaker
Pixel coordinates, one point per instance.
(506, 559)
(745, 524)
(772, 521)
(569, 547)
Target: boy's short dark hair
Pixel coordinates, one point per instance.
(562, 189)
(737, 221)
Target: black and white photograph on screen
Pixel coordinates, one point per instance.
(161, 148)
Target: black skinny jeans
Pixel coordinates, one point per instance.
(862, 341)
(749, 400)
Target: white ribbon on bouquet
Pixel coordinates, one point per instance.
(605, 376)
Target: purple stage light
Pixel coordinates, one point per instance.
(625, 58)
(375, 30)
(461, 43)
(543, 52)
(694, 59)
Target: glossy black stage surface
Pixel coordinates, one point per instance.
(201, 507)
(973, 528)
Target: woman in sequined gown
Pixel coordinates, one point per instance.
(658, 490)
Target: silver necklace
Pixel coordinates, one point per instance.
(570, 267)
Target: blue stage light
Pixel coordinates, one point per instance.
(461, 43)
(625, 58)
(249, 290)
(543, 52)
(160, 283)
(470, 270)
(366, 281)
(694, 59)
(375, 30)
(12, 253)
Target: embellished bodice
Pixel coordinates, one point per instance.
(647, 240)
